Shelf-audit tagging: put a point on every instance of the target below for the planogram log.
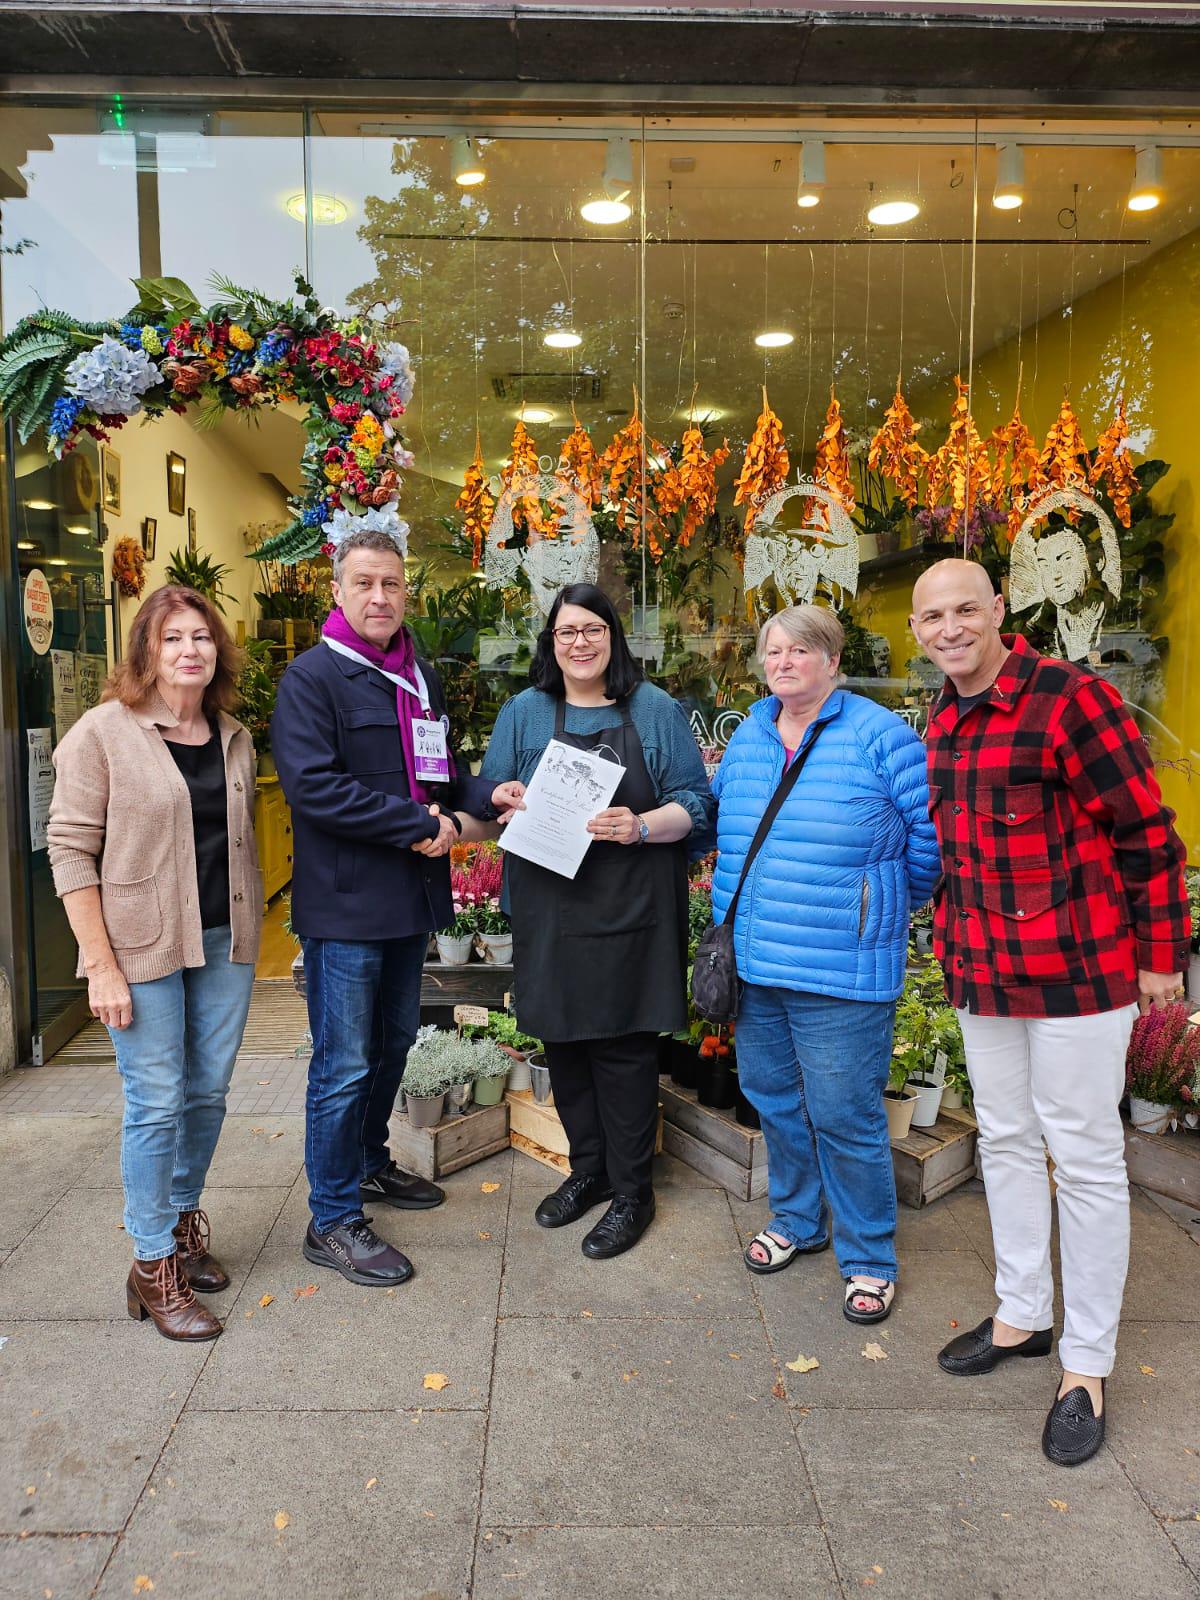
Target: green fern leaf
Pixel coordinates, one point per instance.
(39, 400)
(17, 358)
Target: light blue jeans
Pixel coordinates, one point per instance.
(815, 1069)
(175, 1060)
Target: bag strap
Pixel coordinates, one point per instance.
(785, 786)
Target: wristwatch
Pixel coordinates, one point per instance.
(643, 830)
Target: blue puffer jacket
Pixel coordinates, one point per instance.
(825, 908)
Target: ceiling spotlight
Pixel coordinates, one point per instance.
(891, 213)
(39, 505)
(812, 173)
(326, 209)
(1147, 190)
(773, 339)
(562, 339)
(611, 204)
(534, 414)
(465, 165)
(1010, 177)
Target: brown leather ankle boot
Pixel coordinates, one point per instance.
(159, 1290)
(202, 1270)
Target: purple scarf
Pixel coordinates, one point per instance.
(399, 658)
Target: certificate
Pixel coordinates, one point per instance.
(569, 787)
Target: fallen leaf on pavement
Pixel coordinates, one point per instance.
(282, 1519)
(278, 1135)
(953, 1324)
(803, 1363)
(371, 1482)
(585, 1313)
(303, 1293)
(489, 1188)
(435, 1380)
(875, 1352)
(142, 1584)
(1148, 1372)
(263, 1082)
(778, 1390)
(1059, 1505)
(485, 1236)
(267, 1300)
(31, 1488)
(733, 1356)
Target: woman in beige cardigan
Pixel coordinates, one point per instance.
(151, 839)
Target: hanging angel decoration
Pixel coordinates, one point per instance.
(1056, 569)
(825, 546)
(571, 556)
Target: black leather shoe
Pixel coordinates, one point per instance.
(359, 1254)
(571, 1200)
(392, 1187)
(1073, 1432)
(971, 1354)
(620, 1228)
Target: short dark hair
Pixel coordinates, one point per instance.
(623, 675)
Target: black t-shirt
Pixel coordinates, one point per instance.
(967, 701)
(203, 769)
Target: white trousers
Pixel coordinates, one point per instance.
(1057, 1078)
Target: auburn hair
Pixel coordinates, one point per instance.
(132, 680)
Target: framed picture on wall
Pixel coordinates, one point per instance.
(176, 483)
(192, 529)
(110, 472)
(149, 536)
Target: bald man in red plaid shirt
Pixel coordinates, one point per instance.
(1062, 910)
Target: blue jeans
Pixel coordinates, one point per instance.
(815, 1069)
(364, 1004)
(175, 1060)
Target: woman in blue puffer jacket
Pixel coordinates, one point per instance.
(821, 935)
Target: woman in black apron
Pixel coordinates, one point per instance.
(601, 959)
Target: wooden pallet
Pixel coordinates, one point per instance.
(1167, 1163)
(713, 1142)
(932, 1161)
(536, 1130)
(456, 1142)
(478, 983)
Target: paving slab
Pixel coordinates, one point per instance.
(669, 1172)
(246, 1505)
(84, 1410)
(687, 1264)
(252, 1152)
(971, 1496)
(1164, 1266)
(40, 1158)
(75, 1262)
(764, 1561)
(803, 1311)
(1154, 1416)
(663, 1423)
(349, 1347)
(39, 1565)
(1184, 1534)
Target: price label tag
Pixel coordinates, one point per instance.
(508, 1001)
(471, 1016)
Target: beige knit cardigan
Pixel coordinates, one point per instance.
(121, 818)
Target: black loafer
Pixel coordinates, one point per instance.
(359, 1254)
(1073, 1432)
(392, 1187)
(572, 1200)
(971, 1354)
(620, 1228)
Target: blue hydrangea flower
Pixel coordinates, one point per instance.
(131, 335)
(239, 361)
(111, 379)
(315, 514)
(272, 348)
(63, 415)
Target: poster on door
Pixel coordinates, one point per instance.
(41, 784)
(39, 611)
(66, 692)
(90, 673)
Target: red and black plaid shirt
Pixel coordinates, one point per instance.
(1063, 870)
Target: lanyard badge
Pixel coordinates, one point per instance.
(429, 751)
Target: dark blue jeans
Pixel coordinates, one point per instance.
(815, 1069)
(364, 1004)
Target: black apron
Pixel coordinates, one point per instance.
(603, 954)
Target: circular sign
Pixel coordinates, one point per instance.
(39, 611)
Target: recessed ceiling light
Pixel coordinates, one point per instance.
(812, 174)
(39, 505)
(26, 544)
(465, 165)
(57, 561)
(1147, 190)
(81, 528)
(327, 209)
(890, 213)
(562, 339)
(605, 212)
(534, 414)
(773, 339)
(701, 412)
(1010, 177)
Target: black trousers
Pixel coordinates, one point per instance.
(606, 1095)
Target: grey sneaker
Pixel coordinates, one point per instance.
(356, 1251)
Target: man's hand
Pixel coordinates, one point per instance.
(109, 997)
(447, 835)
(1159, 988)
(508, 798)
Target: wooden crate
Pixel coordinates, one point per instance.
(479, 983)
(932, 1161)
(536, 1130)
(455, 1143)
(1167, 1163)
(713, 1142)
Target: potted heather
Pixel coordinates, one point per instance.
(480, 888)
(1161, 1067)
(1193, 972)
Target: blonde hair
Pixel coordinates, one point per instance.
(815, 626)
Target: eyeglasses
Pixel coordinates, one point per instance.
(593, 632)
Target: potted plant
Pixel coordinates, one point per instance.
(957, 1092)
(1193, 972)
(454, 943)
(430, 1071)
(539, 1079)
(191, 570)
(925, 1042)
(256, 686)
(1161, 1067)
(716, 1080)
(685, 1060)
(491, 1072)
(494, 935)
(517, 1046)
(744, 1111)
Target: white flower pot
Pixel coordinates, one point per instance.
(519, 1076)
(1193, 979)
(952, 1099)
(455, 952)
(929, 1102)
(900, 1106)
(1147, 1116)
(496, 948)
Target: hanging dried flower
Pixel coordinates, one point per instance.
(960, 469)
(697, 475)
(1063, 461)
(129, 567)
(1113, 467)
(579, 465)
(895, 453)
(476, 504)
(765, 465)
(832, 462)
(1015, 467)
(629, 463)
(522, 466)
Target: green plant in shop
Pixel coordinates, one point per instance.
(256, 687)
(192, 570)
(925, 1024)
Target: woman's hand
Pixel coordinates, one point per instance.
(619, 825)
(508, 798)
(109, 997)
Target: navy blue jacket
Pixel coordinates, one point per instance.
(336, 741)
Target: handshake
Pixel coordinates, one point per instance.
(506, 798)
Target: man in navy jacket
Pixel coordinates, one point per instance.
(371, 880)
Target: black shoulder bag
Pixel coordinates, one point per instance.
(715, 990)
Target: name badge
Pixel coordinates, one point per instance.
(429, 750)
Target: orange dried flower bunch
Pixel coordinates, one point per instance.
(476, 504)
(697, 481)
(626, 464)
(1015, 466)
(578, 471)
(765, 465)
(960, 469)
(523, 463)
(895, 453)
(832, 461)
(1063, 462)
(129, 567)
(1112, 466)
